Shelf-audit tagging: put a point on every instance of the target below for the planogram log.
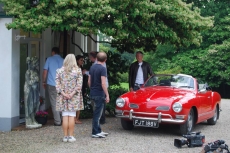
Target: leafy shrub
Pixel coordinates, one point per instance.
(174, 70)
(123, 77)
(113, 67)
(114, 91)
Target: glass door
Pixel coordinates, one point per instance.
(34, 48)
(27, 49)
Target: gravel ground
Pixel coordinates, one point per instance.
(139, 140)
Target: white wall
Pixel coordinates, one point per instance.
(9, 72)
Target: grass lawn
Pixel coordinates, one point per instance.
(124, 85)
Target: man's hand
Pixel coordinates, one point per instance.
(130, 89)
(44, 85)
(44, 75)
(107, 99)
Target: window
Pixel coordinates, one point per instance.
(30, 34)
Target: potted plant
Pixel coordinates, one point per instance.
(41, 117)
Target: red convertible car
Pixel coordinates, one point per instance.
(169, 99)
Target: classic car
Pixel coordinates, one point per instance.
(169, 99)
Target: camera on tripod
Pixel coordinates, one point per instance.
(194, 139)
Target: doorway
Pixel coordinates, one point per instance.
(27, 49)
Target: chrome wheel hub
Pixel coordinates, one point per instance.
(190, 122)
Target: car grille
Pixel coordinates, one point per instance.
(162, 108)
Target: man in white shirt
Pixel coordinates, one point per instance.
(139, 72)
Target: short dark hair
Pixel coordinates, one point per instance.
(79, 57)
(55, 50)
(93, 54)
(139, 52)
(101, 56)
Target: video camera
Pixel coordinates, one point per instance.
(194, 139)
(216, 146)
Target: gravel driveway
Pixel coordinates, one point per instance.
(139, 140)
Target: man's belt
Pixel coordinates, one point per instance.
(137, 85)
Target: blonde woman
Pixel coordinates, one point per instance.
(69, 96)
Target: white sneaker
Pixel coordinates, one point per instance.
(104, 133)
(99, 135)
(65, 139)
(71, 139)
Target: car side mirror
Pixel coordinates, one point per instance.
(208, 88)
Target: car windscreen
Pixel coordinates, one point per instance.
(178, 81)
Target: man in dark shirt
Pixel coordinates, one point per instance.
(93, 59)
(98, 93)
(139, 72)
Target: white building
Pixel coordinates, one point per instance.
(15, 46)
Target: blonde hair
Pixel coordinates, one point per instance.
(69, 63)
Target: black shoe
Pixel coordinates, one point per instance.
(57, 124)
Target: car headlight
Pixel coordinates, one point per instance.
(177, 107)
(120, 102)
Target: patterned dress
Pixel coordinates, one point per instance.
(68, 83)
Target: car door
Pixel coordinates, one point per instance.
(205, 98)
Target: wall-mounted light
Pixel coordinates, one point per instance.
(17, 37)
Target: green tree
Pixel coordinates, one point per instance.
(210, 61)
(212, 65)
(117, 62)
(132, 24)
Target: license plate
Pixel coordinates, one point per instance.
(145, 123)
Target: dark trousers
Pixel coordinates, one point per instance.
(98, 105)
(102, 119)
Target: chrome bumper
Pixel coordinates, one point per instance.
(156, 116)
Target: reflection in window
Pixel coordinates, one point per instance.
(201, 84)
(178, 81)
(30, 34)
(152, 81)
(35, 48)
(37, 35)
(24, 33)
(183, 81)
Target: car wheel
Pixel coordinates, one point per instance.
(188, 125)
(213, 120)
(127, 125)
